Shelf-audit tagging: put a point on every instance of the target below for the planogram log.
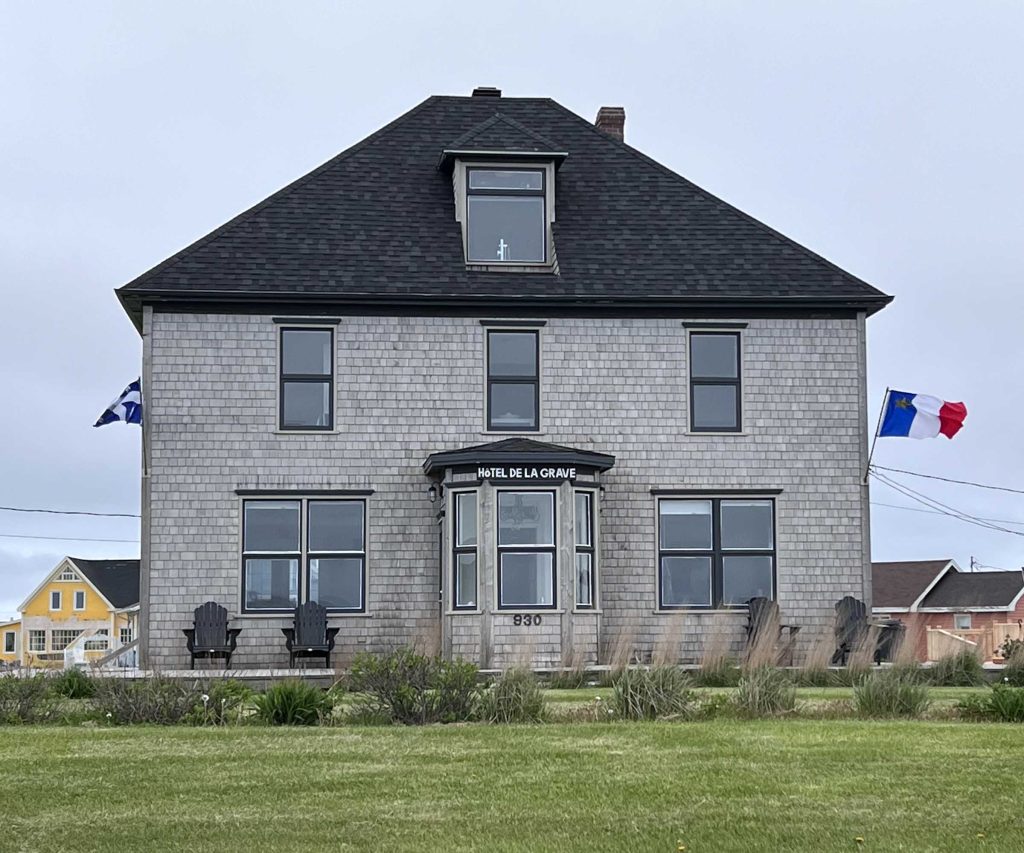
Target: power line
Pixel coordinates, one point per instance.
(71, 512)
(939, 512)
(949, 480)
(944, 509)
(65, 538)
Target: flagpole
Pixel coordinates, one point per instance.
(878, 429)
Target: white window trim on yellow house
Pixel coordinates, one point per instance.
(65, 565)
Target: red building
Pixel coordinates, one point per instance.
(946, 609)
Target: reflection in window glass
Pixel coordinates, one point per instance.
(746, 577)
(527, 579)
(686, 581)
(271, 526)
(685, 524)
(271, 584)
(526, 518)
(747, 525)
(336, 582)
(336, 525)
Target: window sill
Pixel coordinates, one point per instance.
(306, 432)
(527, 612)
(587, 611)
(511, 266)
(716, 433)
(508, 433)
(708, 611)
(463, 613)
(288, 617)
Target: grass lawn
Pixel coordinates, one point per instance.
(721, 785)
(940, 696)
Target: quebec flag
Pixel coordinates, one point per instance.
(126, 408)
(910, 415)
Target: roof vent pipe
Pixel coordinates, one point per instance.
(486, 92)
(612, 120)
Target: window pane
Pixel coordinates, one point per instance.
(685, 581)
(271, 526)
(747, 524)
(9, 641)
(583, 532)
(307, 404)
(526, 518)
(714, 407)
(336, 582)
(513, 405)
(506, 228)
(714, 356)
(493, 179)
(685, 524)
(335, 525)
(744, 578)
(79, 600)
(465, 517)
(526, 580)
(54, 601)
(37, 641)
(271, 584)
(465, 580)
(306, 351)
(512, 354)
(584, 580)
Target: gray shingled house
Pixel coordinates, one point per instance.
(492, 378)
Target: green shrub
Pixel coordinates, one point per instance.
(765, 691)
(567, 679)
(896, 692)
(411, 688)
(74, 684)
(1006, 703)
(162, 701)
(651, 694)
(959, 669)
(516, 697)
(221, 703)
(27, 700)
(293, 703)
(718, 673)
(1011, 649)
(1013, 672)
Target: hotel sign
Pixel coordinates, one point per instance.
(527, 472)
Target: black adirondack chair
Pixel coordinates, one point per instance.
(851, 627)
(209, 637)
(309, 637)
(763, 615)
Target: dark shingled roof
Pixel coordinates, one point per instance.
(376, 225)
(511, 451)
(501, 133)
(901, 584)
(118, 580)
(975, 589)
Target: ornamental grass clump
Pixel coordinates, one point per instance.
(27, 700)
(516, 697)
(410, 688)
(156, 700)
(896, 692)
(74, 684)
(1004, 704)
(959, 669)
(765, 691)
(661, 692)
(222, 703)
(294, 703)
(1013, 672)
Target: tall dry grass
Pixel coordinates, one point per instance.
(668, 648)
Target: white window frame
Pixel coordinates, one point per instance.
(60, 600)
(590, 549)
(79, 592)
(304, 554)
(71, 633)
(455, 550)
(35, 633)
(460, 184)
(13, 637)
(956, 619)
(500, 549)
(67, 575)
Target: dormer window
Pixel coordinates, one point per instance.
(507, 222)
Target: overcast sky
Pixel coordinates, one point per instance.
(885, 136)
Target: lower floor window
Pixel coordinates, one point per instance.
(527, 579)
(9, 641)
(303, 550)
(125, 636)
(526, 549)
(962, 621)
(715, 552)
(61, 638)
(98, 643)
(37, 641)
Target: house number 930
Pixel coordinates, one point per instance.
(527, 619)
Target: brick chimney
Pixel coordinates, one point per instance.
(612, 120)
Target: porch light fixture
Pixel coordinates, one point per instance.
(432, 493)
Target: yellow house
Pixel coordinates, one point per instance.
(10, 645)
(88, 608)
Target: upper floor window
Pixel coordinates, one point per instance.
(67, 575)
(318, 546)
(715, 552)
(715, 382)
(513, 381)
(307, 379)
(55, 600)
(79, 599)
(507, 221)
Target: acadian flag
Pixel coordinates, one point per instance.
(910, 415)
(127, 408)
